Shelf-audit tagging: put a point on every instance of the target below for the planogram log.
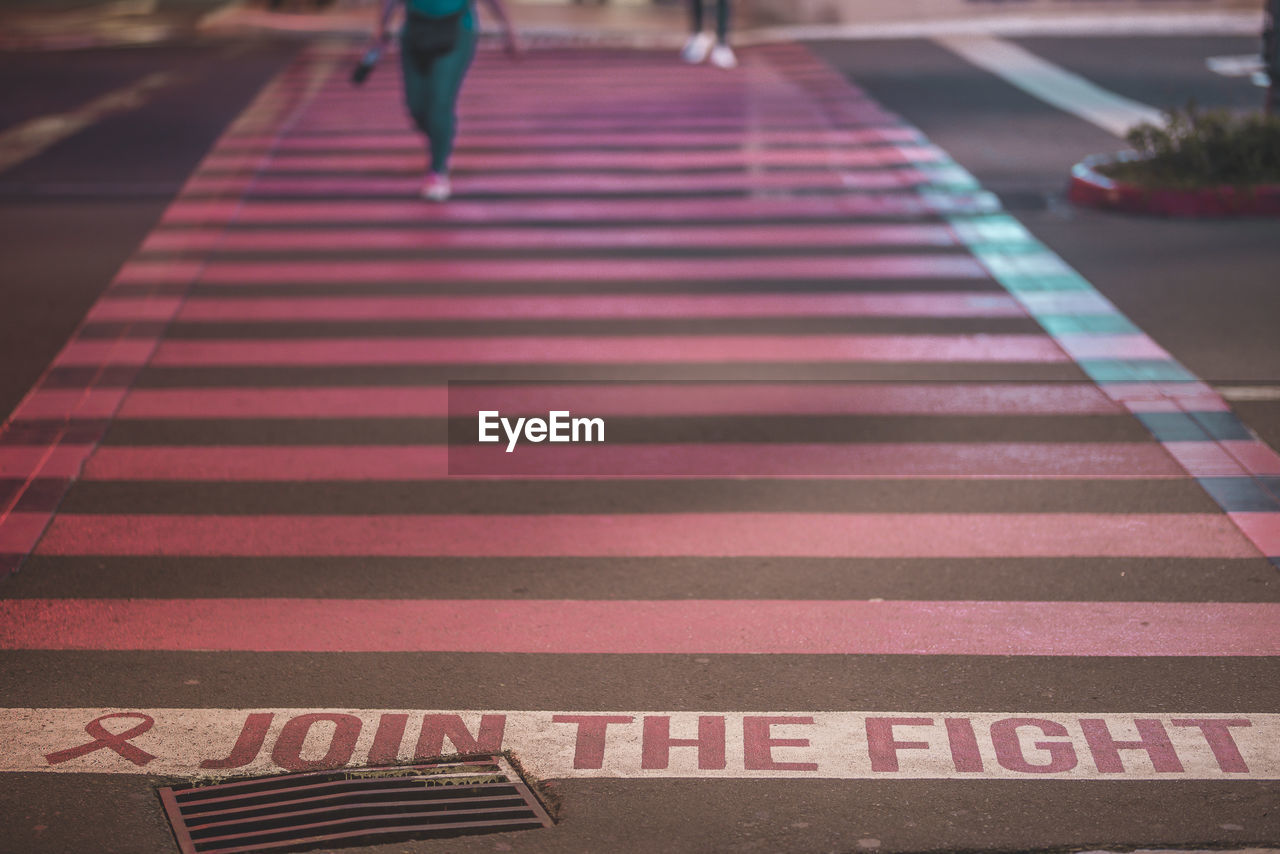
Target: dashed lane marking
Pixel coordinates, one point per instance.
(1249, 393)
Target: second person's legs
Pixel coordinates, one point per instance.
(695, 16)
(699, 43)
(722, 55)
(722, 21)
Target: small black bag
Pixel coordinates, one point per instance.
(426, 37)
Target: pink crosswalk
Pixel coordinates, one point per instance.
(297, 315)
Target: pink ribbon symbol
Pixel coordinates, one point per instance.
(119, 742)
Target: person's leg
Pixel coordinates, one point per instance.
(722, 55)
(695, 16)
(722, 21)
(443, 84)
(699, 44)
(416, 91)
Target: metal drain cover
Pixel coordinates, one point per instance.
(352, 806)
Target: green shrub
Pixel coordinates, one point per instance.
(1203, 148)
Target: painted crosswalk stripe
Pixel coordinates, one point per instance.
(656, 534)
(679, 209)
(690, 235)
(619, 627)
(517, 350)
(427, 462)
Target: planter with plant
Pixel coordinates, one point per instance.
(1201, 163)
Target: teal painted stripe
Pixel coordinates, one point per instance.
(1173, 426)
(1222, 425)
(1135, 370)
(1240, 494)
(1076, 324)
(1195, 426)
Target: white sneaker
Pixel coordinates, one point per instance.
(436, 187)
(696, 48)
(722, 57)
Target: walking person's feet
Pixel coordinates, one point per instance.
(696, 48)
(722, 56)
(436, 187)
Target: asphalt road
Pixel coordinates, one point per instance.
(1204, 290)
(70, 216)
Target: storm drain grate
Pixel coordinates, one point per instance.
(352, 806)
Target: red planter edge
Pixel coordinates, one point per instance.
(1090, 188)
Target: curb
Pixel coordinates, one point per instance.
(1156, 23)
(240, 17)
(1090, 188)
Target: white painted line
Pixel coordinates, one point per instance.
(1052, 84)
(782, 745)
(32, 137)
(1264, 393)
(1235, 66)
(128, 8)
(1250, 66)
(218, 15)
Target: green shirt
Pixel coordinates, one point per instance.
(440, 8)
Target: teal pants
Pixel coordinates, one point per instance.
(431, 87)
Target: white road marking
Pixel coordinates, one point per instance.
(1249, 392)
(1234, 66)
(229, 8)
(781, 745)
(1052, 84)
(30, 138)
(1250, 66)
(130, 7)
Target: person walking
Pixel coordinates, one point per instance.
(700, 45)
(437, 45)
